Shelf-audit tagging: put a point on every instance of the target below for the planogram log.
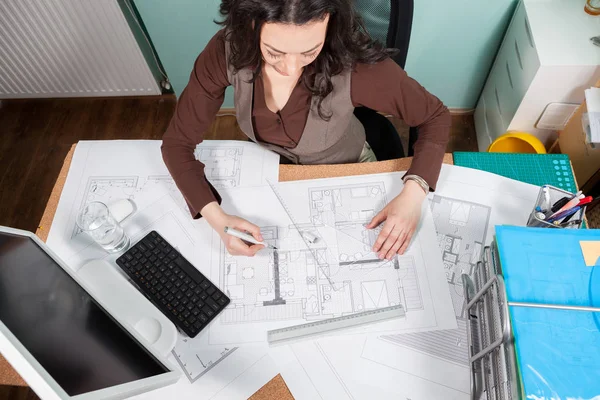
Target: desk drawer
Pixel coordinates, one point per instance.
(481, 126)
(515, 67)
(521, 53)
(507, 89)
(496, 124)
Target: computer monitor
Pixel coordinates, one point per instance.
(59, 337)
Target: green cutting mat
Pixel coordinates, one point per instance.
(537, 169)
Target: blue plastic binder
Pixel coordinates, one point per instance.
(558, 351)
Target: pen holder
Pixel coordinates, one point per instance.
(554, 194)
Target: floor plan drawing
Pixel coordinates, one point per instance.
(222, 169)
(196, 357)
(461, 229)
(441, 356)
(222, 165)
(142, 190)
(338, 275)
(324, 266)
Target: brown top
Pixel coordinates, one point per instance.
(383, 86)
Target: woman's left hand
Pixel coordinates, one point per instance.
(401, 216)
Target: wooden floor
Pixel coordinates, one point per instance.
(35, 136)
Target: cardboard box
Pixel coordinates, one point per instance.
(572, 141)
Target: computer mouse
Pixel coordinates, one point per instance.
(122, 209)
(149, 328)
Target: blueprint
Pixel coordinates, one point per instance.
(96, 174)
(222, 163)
(237, 378)
(426, 365)
(461, 229)
(142, 190)
(108, 171)
(333, 275)
(196, 357)
(333, 368)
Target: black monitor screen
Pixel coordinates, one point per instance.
(58, 322)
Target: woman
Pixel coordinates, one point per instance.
(298, 68)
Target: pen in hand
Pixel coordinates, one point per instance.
(247, 237)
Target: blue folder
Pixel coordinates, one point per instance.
(558, 351)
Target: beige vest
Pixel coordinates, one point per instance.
(337, 141)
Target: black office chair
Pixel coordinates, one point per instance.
(390, 22)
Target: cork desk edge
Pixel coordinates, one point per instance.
(276, 388)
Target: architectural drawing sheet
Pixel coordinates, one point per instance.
(196, 357)
(465, 207)
(223, 161)
(323, 266)
(366, 366)
(108, 171)
(461, 228)
(333, 368)
(240, 378)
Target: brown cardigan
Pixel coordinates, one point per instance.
(384, 87)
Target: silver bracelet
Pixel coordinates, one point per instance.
(424, 185)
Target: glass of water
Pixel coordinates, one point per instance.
(96, 220)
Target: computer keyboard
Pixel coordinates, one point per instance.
(172, 284)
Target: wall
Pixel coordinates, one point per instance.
(452, 47)
(179, 30)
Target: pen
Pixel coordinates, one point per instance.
(563, 214)
(584, 201)
(570, 204)
(247, 237)
(567, 218)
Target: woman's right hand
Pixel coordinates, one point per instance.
(219, 219)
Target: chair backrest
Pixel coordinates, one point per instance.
(389, 21)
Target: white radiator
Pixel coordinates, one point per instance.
(69, 48)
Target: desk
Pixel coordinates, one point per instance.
(276, 389)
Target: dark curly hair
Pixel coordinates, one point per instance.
(347, 41)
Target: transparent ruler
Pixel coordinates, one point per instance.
(334, 325)
(297, 227)
(300, 228)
